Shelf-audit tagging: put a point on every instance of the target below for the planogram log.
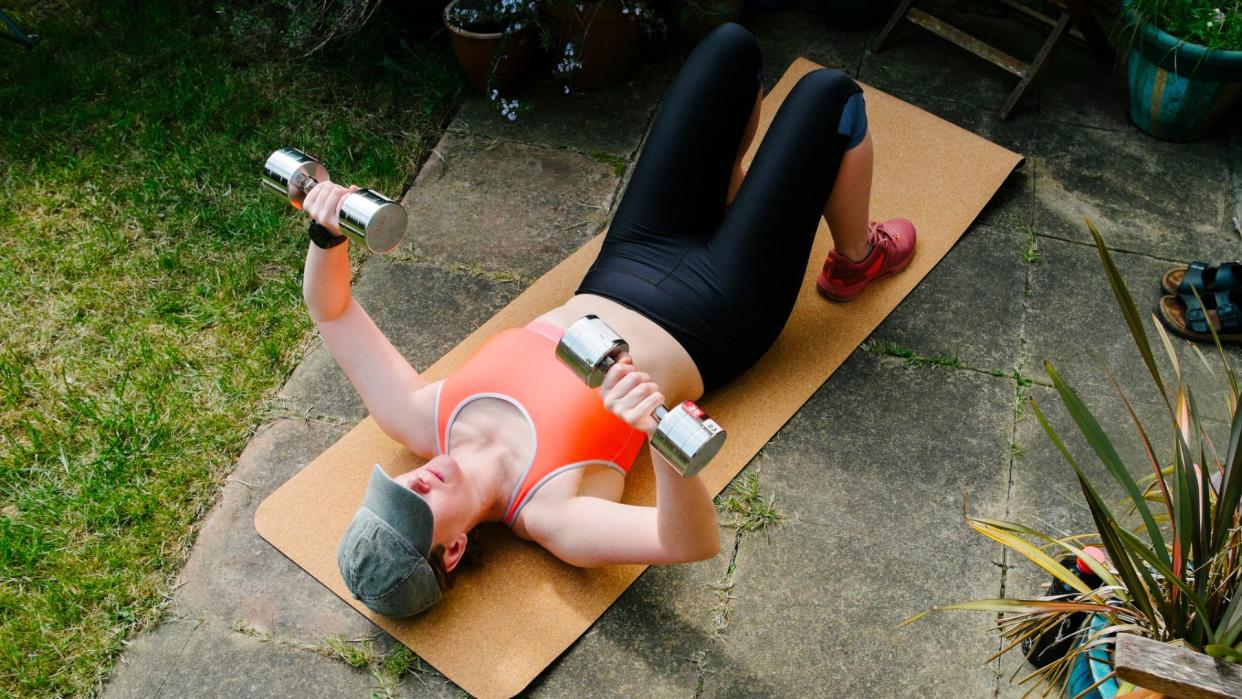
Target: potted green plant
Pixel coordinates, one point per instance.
(494, 42)
(1173, 557)
(1184, 66)
(596, 41)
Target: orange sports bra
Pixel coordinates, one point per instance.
(570, 425)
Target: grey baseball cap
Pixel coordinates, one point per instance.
(383, 556)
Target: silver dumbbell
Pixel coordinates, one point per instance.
(685, 435)
(367, 217)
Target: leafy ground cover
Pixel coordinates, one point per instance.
(150, 297)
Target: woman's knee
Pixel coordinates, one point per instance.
(734, 43)
(829, 82)
(832, 91)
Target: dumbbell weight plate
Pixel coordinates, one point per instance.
(287, 171)
(588, 348)
(372, 219)
(687, 437)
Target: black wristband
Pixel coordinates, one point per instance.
(323, 237)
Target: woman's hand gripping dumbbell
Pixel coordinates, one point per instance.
(365, 216)
(685, 435)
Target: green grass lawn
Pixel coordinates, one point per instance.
(150, 301)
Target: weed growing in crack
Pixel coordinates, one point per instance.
(744, 507)
(356, 655)
(401, 661)
(1030, 253)
(699, 659)
(1020, 398)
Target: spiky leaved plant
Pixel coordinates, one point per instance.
(1172, 572)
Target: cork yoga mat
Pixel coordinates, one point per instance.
(511, 615)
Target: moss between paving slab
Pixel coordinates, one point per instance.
(151, 292)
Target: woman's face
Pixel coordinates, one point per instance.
(443, 485)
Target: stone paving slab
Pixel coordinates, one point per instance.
(611, 121)
(970, 305)
(426, 310)
(1072, 318)
(1163, 199)
(505, 207)
(874, 498)
(1077, 89)
(186, 658)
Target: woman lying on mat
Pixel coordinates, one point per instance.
(699, 272)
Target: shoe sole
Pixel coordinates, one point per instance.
(819, 283)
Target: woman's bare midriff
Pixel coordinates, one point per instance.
(654, 350)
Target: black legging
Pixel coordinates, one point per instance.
(723, 283)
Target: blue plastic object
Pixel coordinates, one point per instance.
(1092, 666)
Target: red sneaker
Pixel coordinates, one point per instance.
(892, 248)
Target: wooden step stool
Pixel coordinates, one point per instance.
(1075, 12)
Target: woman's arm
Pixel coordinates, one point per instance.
(383, 378)
(588, 531)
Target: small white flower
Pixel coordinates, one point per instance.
(581, 7)
(1220, 16)
(625, 10)
(567, 89)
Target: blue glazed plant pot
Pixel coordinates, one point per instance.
(1177, 89)
(1093, 666)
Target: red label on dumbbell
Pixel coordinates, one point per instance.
(694, 410)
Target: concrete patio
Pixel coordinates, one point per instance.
(871, 473)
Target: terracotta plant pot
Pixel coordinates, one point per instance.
(604, 40)
(477, 52)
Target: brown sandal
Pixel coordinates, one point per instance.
(1226, 318)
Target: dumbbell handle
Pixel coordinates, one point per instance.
(366, 217)
(306, 183)
(660, 411)
(684, 435)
